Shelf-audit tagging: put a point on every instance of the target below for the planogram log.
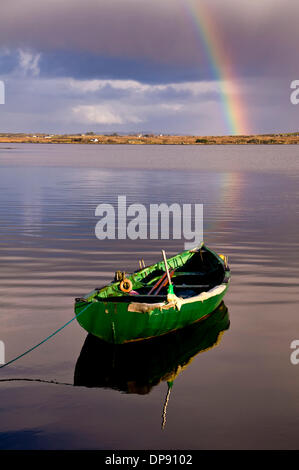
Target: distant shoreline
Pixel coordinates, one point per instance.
(150, 139)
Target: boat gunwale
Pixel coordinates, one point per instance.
(160, 305)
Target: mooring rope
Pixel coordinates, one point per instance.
(44, 340)
(44, 381)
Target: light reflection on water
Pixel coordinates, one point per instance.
(243, 394)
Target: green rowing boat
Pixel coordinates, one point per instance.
(156, 299)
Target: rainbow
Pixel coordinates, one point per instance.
(222, 67)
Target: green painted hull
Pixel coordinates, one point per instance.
(124, 321)
(137, 367)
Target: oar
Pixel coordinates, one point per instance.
(170, 287)
(164, 283)
(157, 284)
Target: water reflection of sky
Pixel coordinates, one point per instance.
(59, 203)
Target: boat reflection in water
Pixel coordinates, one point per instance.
(137, 367)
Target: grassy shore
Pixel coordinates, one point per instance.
(151, 139)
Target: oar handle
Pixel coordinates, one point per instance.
(166, 267)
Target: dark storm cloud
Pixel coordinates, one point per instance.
(130, 28)
(86, 65)
(150, 40)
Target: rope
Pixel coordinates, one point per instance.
(46, 339)
(36, 380)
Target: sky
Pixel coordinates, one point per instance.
(199, 67)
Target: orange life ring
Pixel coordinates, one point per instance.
(126, 285)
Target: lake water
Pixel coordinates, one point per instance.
(243, 393)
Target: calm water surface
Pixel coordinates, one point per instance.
(242, 393)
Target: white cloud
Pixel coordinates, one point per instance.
(92, 86)
(29, 62)
(101, 114)
(172, 107)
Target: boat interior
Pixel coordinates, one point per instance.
(200, 273)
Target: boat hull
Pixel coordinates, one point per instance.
(137, 367)
(122, 322)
